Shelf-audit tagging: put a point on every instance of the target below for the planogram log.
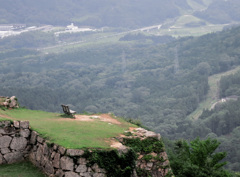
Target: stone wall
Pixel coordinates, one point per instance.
(18, 142)
(14, 141)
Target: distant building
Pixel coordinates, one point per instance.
(10, 27)
(71, 27)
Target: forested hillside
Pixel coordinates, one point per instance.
(160, 84)
(223, 122)
(123, 13)
(221, 11)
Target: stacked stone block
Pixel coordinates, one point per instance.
(14, 141)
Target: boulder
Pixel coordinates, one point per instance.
(39, 154)
(71, 174)
(1, 159)
(16, 124)
(59, 173)
(46, 149)
(13, 157)
(5, 141)
(153, 135)
(40, 139)
(18, 143)
(99, 175)
(24, 124)
(81, 168)
(97, 169)
(49, 167)
(87, 174)
(13, 102)
(67, 163)
(56, 160)
(33, 137)
(61, 150)
(75, 152)
(5, 150)
(25, 133)
(82, 161)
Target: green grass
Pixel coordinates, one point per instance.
(213, 92)
(69, 133)
(185, 19)
(195, 5)
(23, 169)
(190, 31)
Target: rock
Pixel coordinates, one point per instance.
(32, 157)
(13, 102)
(39, 153)
(71, 174)
(75, 152)
(152, 134)
(13, 157)
(5, 141)
(99, 175)
(67, 163)
(40, 139)
(18, 143)
(150, 164)
(16, 124)
(8, 130)
(81, 168)
(97, 169)
(24, 124)
(61, 150)
(5, 151)
(43, 161)
(55, 147)
(123, 149)
(53, 154)
(82, 161)
(59, 173)
(33, 137)
(6, 123)
(2, 131)
(25, 133)
(87, 174)
(1, 159)
(45, 149)
(49, 167)
(56, 160)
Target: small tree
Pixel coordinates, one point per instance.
(198, 159)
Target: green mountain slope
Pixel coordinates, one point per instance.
(96, 13)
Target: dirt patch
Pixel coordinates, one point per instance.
(89, 118)
(4, 116)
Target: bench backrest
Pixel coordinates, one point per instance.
(66, 109)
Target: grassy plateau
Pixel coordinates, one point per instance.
(69, 133)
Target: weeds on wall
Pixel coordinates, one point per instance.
(115, 164)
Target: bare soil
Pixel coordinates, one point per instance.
(89, 118)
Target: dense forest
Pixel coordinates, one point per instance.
(120, 14)
(221, 11)
(95, 13)
(157, 83)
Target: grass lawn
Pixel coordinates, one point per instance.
(23, 169)
(69, 133)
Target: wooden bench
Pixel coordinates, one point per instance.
(67, 111)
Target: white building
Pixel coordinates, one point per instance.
(71, 27)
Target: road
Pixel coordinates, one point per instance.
(103, 37)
